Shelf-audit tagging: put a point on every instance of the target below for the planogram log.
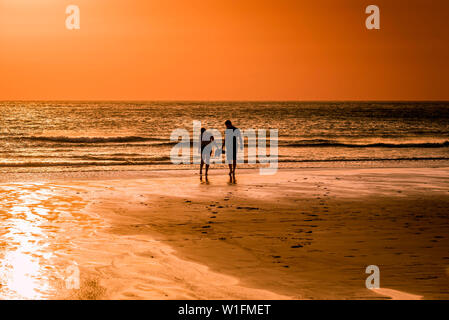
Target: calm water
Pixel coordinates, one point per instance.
(57, 136)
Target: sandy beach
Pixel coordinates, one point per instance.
(301, 234)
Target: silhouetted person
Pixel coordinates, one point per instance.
(231, 144)
(205, 140)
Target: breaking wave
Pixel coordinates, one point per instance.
(327, 143)
(89, 139)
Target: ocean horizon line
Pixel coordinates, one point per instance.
(226, 100)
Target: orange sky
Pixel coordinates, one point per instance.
(224, 50)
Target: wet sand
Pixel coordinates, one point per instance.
(301, 234)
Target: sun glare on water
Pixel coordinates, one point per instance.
(32, 230)
(23, 245)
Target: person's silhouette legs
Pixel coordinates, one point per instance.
(201, 169)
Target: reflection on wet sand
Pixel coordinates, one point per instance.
(36, 226)
(52, 232)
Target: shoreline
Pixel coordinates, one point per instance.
(179, 171)
(303, 234)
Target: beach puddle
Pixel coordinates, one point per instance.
(37, 225)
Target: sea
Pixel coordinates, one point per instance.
(48, 136)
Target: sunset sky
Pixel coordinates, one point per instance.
(224, 50)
